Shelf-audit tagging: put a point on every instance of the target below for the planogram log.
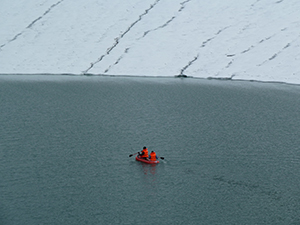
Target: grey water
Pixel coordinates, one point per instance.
(231, 151)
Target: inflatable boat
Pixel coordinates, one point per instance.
(146, 161)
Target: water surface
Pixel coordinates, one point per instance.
(231, 151)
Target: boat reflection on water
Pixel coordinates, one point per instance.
(149, 168)
(149, 178)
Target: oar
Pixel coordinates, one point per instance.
(133, 154)
(161, 157)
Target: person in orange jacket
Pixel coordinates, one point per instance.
(153, 156)
(144, 153)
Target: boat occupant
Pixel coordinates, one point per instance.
(153, 156)
(144, 153)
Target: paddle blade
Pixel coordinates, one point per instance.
(162, 157)
(133, 154)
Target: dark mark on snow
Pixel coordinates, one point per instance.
(212, 38)
(273, 57)
(248, 49)
(228, 65)
(162, 26)
(31, 24)
(183, 5)
(117, 39)
(255, 3)
(276, 54)
(182, 76)
(202, 46)
(188, 65)
(288, 45)
(253, 46)
(118, 60)
(205, 42)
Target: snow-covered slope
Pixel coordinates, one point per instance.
(253, 39)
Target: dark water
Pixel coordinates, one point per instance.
(232, 151)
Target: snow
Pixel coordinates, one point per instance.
(244, 40)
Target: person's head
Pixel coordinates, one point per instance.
(152, 151)
(144, 147)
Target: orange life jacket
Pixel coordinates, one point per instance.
(145, 151)
(153, 156)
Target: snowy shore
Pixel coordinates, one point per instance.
(232, 39)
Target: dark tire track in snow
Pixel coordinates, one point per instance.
(160, 27)
(118, 60)
(117, 40)
(183, 5)
(31, 24)
(188, 65)
(253, 46)
(276, 54)
(203, 45)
